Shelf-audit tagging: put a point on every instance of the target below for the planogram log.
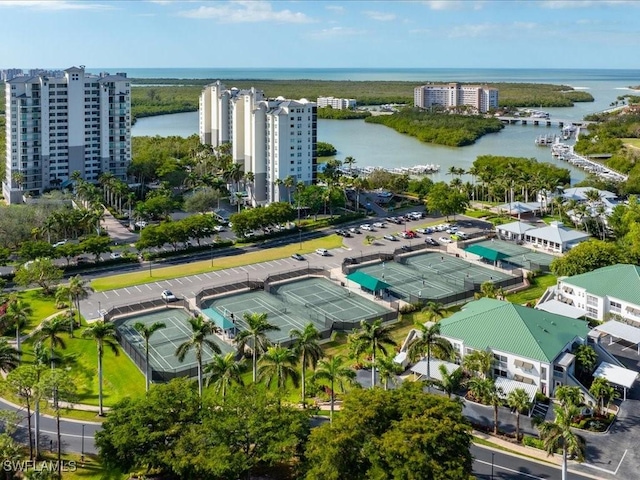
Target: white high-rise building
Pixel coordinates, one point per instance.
(482, 98)
(272, 138)
(59, 125)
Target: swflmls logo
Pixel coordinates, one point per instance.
(42, 466)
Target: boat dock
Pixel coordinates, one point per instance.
(565, 152)
(416, 170)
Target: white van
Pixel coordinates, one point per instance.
(322, 251)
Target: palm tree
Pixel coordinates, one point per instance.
(255, 337)
(567, 395)
(603, 392)
(388, 369)
(349, 162)
(334, 370)
(485, 390)
(9, 357)
(200, 330)
(146, 332)
(478, 362)
(17, 315)
(289, 183)
(279, 364)
(308, 350)
(427, 341)
(372, 337)
(518, 399)
(51, 330)
(586, 359)
(223, 371)
(558, 434)
(78, 290)
(487, 290)
(434, 310)
(451, 382)
(104, 334)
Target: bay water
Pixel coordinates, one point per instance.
(377, 145)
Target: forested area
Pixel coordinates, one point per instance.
(450, 129)
(335, 114)
(325, 149)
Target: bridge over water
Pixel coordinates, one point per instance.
(545, 122)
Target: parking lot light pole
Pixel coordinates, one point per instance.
(300, 238)
(211, 254)
(247, 279)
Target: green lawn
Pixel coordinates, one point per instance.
(41, 305)
(166, 273)
(634, 142)
(121, 377)
(533, 293)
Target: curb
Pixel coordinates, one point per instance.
(66, 419)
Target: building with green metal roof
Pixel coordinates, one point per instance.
(530, 346)
(605, 291)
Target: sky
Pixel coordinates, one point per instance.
(320, 34)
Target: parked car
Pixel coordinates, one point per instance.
(354, 230)
(219, 228)
(444, 240)
(393, 238)
(322, 251)
(141, 224)
(451, 230)
(424, 230)
(431, 241)
(60, 243)
(412, 234)
(297, 256)
(378, 225)
(366, 227)
(404, 234)
(115, 255)
(168, 296)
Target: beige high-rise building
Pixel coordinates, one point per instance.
(482, 98)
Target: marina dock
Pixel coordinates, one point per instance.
(565, 152)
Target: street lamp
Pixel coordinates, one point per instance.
(99, 308)
(150, 264)
(211, 254)
(300, 237)
(492, 454)
(247, 279)
(82, 449)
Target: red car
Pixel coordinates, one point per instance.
(412, 234)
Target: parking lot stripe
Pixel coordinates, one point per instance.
(137, 288)
(261, 265)
(178, 280)
(128, 292)
(105, 294)
(158, 285)
(226, 272)
(198, 277)
(116, 292)
(189, 279)
(147, 285)
(252, 267)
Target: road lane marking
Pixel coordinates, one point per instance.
(507, 469)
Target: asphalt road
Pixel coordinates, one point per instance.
(73, 439)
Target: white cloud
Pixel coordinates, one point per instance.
(380, 16)
(54, 4)
(335, 8)
(242, 11)
(586, 3)
(472, 30)
(454, 4)
(336, 32)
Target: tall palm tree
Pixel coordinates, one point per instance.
(450, 382)
(388, 369)
(223, 371)
(104, 334)
(289, 183)
(335, 372)
(349, 162)
(479, 362)
(17, 315)
(485, 390)
(428, 341)
(146, 332)
(51, 330)
(372, 337)
(255, 337)
(78, 290)
(9, 357)
(518, 399)
(279, 364)
(559, 434)
(603, 392)
(200, 330)
(308, 350)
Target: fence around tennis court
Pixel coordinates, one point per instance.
(133, 308)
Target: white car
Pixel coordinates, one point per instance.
(168, 296)
(378, 225)
(60, 243)
(366, 227)
(116, 255)
(219, 228)
(322, 251)
(141, 224)
(444, 240)
(391, 237)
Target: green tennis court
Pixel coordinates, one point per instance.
(296, 304)
(164, 342)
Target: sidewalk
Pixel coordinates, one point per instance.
(119, 233)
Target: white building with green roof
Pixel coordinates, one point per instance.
(608, 290)
(529, 346)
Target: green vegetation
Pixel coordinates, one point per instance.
(443, 129)
(535, 95)
(326, 149)
(330, 113)
(539, 285)
(149, 101)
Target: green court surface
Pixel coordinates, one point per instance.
(433, 276)
(519, 255)
(164, 342)
(296, 304)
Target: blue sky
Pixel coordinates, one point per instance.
(306, 34)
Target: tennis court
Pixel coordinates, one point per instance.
(295, 305)
(433, 276)
(164, 342)
(520, 255)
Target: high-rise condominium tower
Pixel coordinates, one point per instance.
(60, 125)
